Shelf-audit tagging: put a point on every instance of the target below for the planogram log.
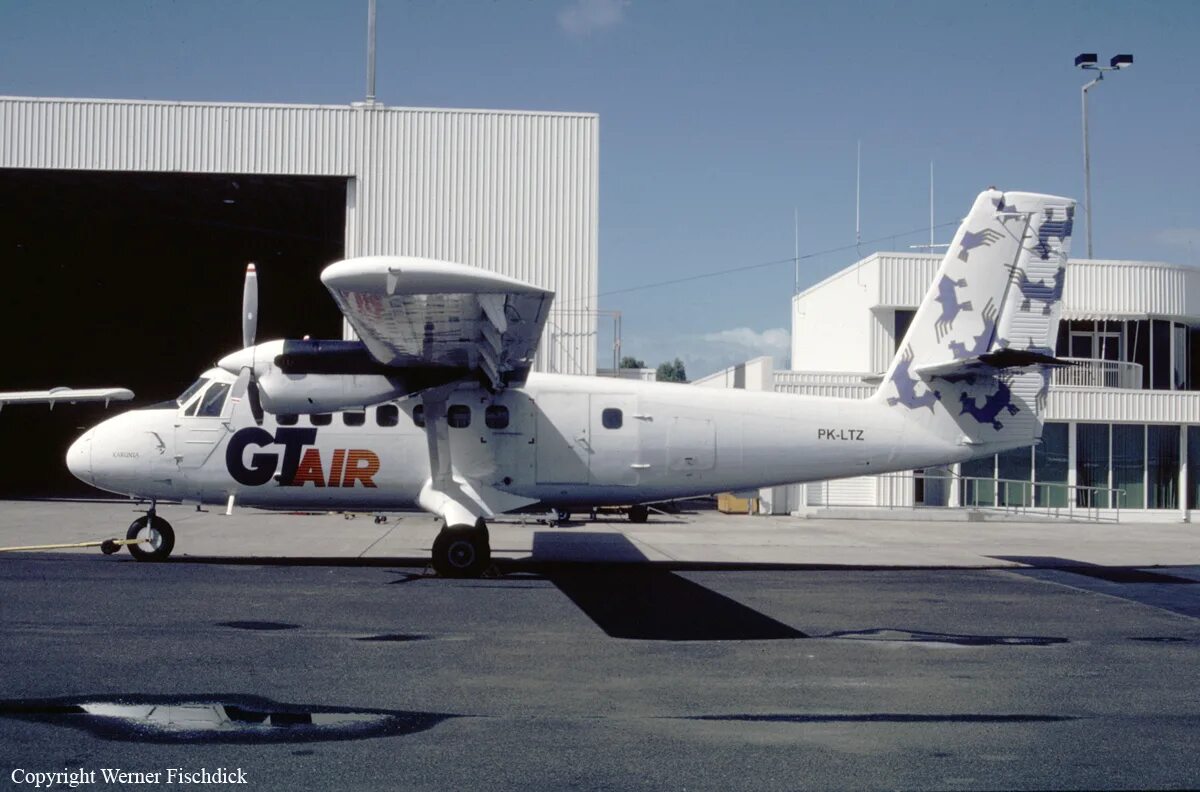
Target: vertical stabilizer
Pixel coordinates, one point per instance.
(998, 289)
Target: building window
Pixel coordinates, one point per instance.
(354, 418)
(458, 416)
(978, 482)
(287, 419)
(1193, 467)
(612, 418)
(387, 415)
(1015, 465)
(321, 419)
(1162, 467)
(1050, 466)
(1139, 342)
(1160, 355)
(1128, 464)
(1179, 356)
(904, 319)
(1091, 464)
(496, 416)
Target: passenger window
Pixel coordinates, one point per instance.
(356, 418)
(496, 417)
(458, 416)
(419, 415)
(287, 419)
(213, 401)
(612, 418)
(387, 415)
(321, 419)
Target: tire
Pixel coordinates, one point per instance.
(638, 514)
(561, 515)
(461, 551)
(158, 544)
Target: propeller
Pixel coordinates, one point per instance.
(246, 381)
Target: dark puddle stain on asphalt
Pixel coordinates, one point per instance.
(884, 717)
(258, 625)
(957, 639)
(217, 719)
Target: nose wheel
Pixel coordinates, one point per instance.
(462, 551)
(156, 538)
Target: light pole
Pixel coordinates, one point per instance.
(1087, 60)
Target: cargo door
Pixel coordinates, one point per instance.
(563, 438)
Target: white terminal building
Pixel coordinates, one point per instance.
(1124, 417)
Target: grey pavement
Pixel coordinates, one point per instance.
(317, 652)
(696, 536)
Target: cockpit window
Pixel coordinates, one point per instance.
(191, 391)
(214, 400)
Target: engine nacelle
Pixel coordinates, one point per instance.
(322, 393)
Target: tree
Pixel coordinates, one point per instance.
(632, 363)
(671, 372)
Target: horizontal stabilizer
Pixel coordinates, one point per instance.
(989, 363)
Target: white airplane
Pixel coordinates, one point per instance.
(436, 405)
(68, 395)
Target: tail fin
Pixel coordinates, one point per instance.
(974, 364)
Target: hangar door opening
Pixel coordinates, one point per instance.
(135, 280)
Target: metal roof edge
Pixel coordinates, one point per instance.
(356, 106)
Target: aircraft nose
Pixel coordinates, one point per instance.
(79, 458)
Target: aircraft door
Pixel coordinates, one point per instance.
(509, 426)
(615, 427)
(199, 428)
(563, 438)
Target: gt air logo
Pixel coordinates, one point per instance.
(300, 465)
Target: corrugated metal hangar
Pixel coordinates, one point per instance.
(126, 227)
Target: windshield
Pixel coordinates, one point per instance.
(214, 400)
(191, 391)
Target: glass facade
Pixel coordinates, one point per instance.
(1015, 469)
(1051, 462)
(980, 492)
(1168, 352)
(1129, 464)
(1193, 463)
(1091, 464)
(1162, 467)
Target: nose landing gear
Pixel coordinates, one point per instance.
(156, 537)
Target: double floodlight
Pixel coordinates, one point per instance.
(1088, 60)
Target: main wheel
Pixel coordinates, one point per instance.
(157, 538)
(462, 551)
(638, 513)
(560, 515)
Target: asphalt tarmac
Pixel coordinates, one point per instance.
(366, 674)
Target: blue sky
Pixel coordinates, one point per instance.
(717, 119)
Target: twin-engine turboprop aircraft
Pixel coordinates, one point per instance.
(436, 405)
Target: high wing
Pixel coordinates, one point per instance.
(418, 312)
(70, 395)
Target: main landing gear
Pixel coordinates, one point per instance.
(462, 551)
(156, 537)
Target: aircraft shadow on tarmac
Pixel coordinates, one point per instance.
(647, 602)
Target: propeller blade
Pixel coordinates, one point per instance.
(256, 408)
(250, 307)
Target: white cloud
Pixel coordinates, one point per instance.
(585, 17)
(706, 353)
